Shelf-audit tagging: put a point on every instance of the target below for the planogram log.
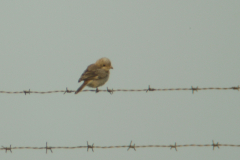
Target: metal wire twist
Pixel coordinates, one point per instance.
(111, 91)
(175, 146)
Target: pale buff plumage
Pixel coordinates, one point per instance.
(96, 74)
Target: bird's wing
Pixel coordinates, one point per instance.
(82, 86)
(93, 72)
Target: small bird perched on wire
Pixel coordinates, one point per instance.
(96, 74)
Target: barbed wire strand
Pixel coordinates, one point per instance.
(123, 90)
(130, 146)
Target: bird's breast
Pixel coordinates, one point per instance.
(98, 82)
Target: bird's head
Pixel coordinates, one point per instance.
(104, 63)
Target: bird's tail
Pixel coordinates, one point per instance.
(81, 87)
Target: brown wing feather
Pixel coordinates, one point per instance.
(90, 73)
(82, 86)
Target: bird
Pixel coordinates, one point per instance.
(96, 74)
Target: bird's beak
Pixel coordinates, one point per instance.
(111, 67)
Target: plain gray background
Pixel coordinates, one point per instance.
(46, 45)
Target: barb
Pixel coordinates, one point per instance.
(175, 146)
(110, 91)
(68, 91)
(194, 89)
(150, 89)
(124, 90)
(90, 146)
(215, 144)
(50, 148)
(7, 149)
(130, 146)
(236, 88)
(25, 92)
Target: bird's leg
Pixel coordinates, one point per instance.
(97, 90)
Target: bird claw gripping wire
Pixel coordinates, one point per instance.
(97, 90)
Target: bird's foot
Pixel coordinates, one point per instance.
(97, 90)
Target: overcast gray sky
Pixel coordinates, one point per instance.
(46, 45)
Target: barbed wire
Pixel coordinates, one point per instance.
(193, 89)
(130, 146)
